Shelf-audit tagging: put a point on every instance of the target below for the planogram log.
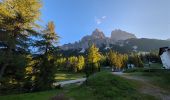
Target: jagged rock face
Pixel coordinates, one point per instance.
(99, 39)
(121, 35)
(97, 34)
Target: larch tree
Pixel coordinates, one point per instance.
(80, 63)
(112, 56)
(17, 23)
(93, 58)
(72, 63)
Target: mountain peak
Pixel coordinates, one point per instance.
(99, 39)
(118, 34)
(97, 33)
(97, 30)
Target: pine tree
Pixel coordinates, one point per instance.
(45, 75)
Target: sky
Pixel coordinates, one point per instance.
(76, 18)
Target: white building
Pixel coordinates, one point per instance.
(165, 56)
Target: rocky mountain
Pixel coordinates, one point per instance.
(168, 39)
(142, 46)
(98, 34)
(120, 41)
(99, 39)
(121, 35)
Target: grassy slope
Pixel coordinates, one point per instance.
(160, 78)
(156, 75)
(103, 85)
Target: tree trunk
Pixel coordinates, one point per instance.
(3, 70)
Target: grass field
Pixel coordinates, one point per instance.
(105, 86)
(101, 86)
(155, 66)
(159, 78)
(63, 76)
(31, 96)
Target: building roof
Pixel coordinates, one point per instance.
(163, 49)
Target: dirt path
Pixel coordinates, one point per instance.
(69, 82)
(147, 87)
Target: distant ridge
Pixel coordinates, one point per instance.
(168, 39)
(99, 39)
(121, 35)
(120, 41)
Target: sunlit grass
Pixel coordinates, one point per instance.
(101, 86)
(63, 76)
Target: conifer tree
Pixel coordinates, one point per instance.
(72, 64)
(112, 56)
(80, 63)
(45, 75)
(93, 58)
(17, 23)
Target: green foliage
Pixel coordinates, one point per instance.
(17, 22)
(13, 78)
(45, 70)
(136, 60)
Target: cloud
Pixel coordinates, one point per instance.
(103, 17)
(100, 20)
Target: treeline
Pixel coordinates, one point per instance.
(71, 64)
(113, 59)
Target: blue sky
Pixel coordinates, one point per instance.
(77, 18)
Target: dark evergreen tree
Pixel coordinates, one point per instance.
(17, 24)
(46, 66)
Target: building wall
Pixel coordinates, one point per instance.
(165, 57)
